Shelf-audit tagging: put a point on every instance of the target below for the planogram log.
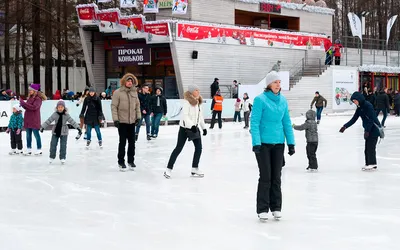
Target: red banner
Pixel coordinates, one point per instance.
(251, 37)
(108, 20)
(157, 32)
(87, 14)
(132, 27)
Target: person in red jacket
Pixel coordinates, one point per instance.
(337, 54)
(328, 51)
(57, 95)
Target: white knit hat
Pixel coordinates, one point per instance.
(17, 107)
(192, 88)
(272, 77)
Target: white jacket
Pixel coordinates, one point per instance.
(246, 105)
(192, 115)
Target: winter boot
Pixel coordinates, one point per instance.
(277, 215)
(263, 216)
(168, 173)
(132, 166)
(122, 166)
(87, 144)
(101, 144)
(149, 137)
(197, 173)
(13, 152)
(136, 137)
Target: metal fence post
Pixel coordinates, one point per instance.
(302, 66)
(320, 69)
(345, 45)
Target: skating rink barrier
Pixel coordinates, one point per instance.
(174, 110)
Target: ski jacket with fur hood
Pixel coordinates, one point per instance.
(125, 105)
(192, 112)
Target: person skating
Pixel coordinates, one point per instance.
(270, 127)
(311, 128)
(320, 104)
(216, 107)
(60, 131)
(238, 108)
(191, 122)
(214, 87)
(92, 113)
(125, 107)
(158, 106)
(382, 105)
(396, 100)
(15, 126)
(32, 118)
(82, 119)
(246, 110)
(144, 99)
(370, 124)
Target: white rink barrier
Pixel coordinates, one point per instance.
(174, 109)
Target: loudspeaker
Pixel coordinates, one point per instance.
(195, 54)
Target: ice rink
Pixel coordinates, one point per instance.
(89, 205)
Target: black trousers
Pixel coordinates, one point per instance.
(397, 109)
(337, 60)
(269, 194)
(370, 150)
(311, 155)
(182, 137)
(16, 140)
(246, 118)
(215, 113)
(126, 132)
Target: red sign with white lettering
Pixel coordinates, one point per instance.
(87, 14)
(271, 8)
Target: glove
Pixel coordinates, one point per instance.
(8, 130)
(41, 130)
(366, 135)
(100, 119)
(81, 116)
(194, 129)
(342, 129)
(137, 121)
(204, 132)
(293, 125)
(79, 131)
(18, 131)
(116, 124)
(257, 149)
(291, 150)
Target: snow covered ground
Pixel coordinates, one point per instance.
(88, 204)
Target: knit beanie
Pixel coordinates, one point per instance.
(17, 107)
(61, 103)
(92, 89)
(34, 87)
(272, 77)
(160, 88)
(193, 88)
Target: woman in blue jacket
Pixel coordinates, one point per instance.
(270, 126)
(370, 123)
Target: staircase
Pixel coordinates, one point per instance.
(307, 67)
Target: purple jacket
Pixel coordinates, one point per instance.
(32, 112)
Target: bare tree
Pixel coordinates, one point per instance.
(49, 50)
(7, 42)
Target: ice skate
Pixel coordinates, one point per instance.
(78, 136)
(168, 173)
(132, 166)
(136, 137)
(154, 136)
(85, 136)
(149, 137)
(370, 168)
(277, 215)
(38, 153)
(263, 217)
(197, 173)
(122, 166)
(62, 161)
(51, 160)
(13, 152)
(318, 122)
(312, 170)
(87, 144)
(101, 144)
(20, 152)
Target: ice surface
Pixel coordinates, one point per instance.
(88, 204)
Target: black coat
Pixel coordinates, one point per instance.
(214, 88)
(382, 101)
(372, 99)
(92, 110)
(145, 102)
(397, 99)
(367, 113)
(156, 109)
(4, 97)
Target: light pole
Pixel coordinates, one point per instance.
(363, 15)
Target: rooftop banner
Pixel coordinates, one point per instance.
(132, 27)
(108, 20)
(87, 14)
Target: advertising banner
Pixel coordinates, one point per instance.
(131, 54)
(108, 20)
(127, 3)
(150, 6)
(87, 14)
(344, 84)
(157, 33)
(355, 25)
(389, 27)
(242, 36)
(5, 113)
(165, 4)
(132, 27)
(180, 7)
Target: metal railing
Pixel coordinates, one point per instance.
(306, 67)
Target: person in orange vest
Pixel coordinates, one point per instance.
(216, 107)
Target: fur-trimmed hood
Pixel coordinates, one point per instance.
(126, 77)
(192, 100)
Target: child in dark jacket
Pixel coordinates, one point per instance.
(60, 131)
(311, 128)
(15, 129)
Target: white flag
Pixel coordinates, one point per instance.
(355, 25)
(103, 1)
(390, 24)
(127, 3)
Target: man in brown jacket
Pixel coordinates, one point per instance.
(320, 104)
(125, 107)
